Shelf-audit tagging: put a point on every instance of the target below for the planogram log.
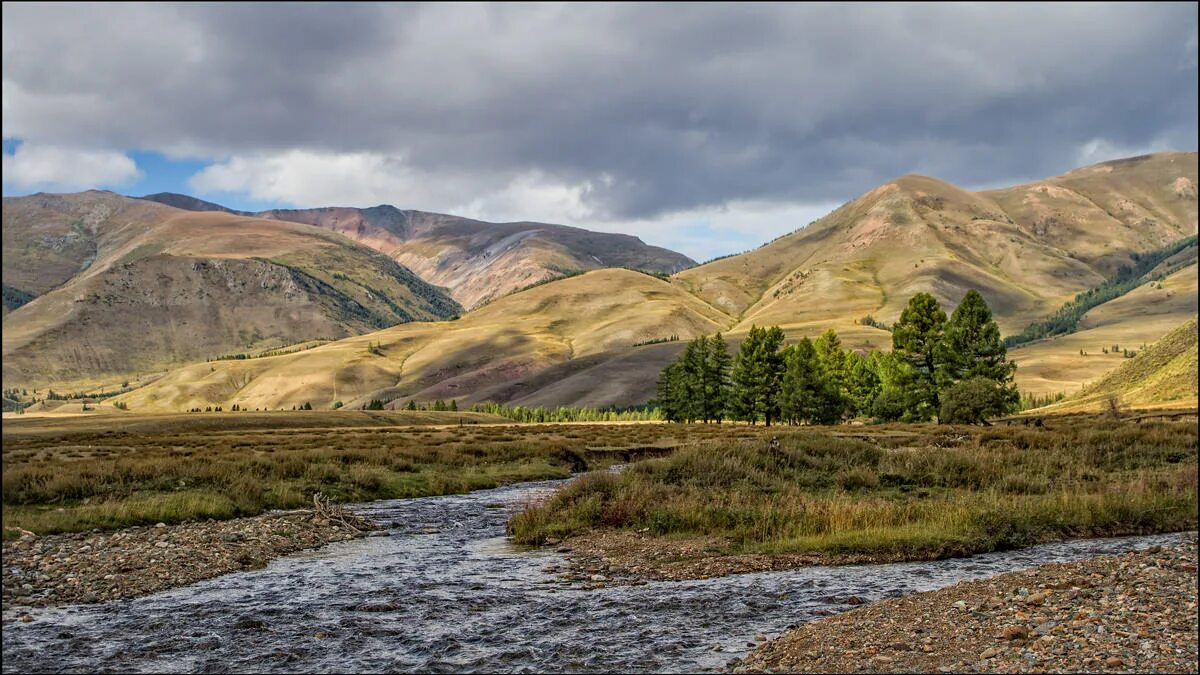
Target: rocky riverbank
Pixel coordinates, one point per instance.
(1135, 612)
(104, 566)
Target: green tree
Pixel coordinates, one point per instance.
(757, 376)
(453, 405)
(375, 404)
(971, 347)
(832, 359)
(915, 338)
(862, 382)
(693, 379)
(439, 405)
(973, 400)
(807, 393)
(412, 404)
(717, 365)
(668, 393)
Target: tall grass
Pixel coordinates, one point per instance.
(957, 493)
(79, 477)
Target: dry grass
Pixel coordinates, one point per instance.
(81, 473)
(937, 492)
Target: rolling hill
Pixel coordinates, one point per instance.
(1161, 376)
(477, 261)
(577, 341)
(115, 287)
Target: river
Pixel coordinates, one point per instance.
(443, 591)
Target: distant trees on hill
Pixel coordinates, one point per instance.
(955, 369)
(1066, 319)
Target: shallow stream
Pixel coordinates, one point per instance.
(444, 591)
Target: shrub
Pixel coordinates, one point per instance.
(972, 401)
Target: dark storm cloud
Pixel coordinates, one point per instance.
(657, 108)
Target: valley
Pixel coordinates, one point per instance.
(581, 340)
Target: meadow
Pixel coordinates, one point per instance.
(78, 473)
(916, 491)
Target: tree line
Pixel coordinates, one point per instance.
(955, 369)
(1066, 319)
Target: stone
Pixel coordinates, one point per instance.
(1016, 633)
(988, 653)
(1114, 662)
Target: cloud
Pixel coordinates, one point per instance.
(45, 167)
(601, 113)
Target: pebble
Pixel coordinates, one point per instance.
(1134, 612)
(72, 568)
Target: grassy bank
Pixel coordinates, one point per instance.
(73, 474)
(916, 491)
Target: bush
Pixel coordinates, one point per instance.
(972, 401)
(889, 405)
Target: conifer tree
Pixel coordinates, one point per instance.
(667, 393)
(862, 383)
(915, 338)
(971, 347)
(694, 374)
(717, 365)
(832, 359)
(412, 404)
(757, 376)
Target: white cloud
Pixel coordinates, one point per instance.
(50, 167)
(302, 178)
(1102, 150)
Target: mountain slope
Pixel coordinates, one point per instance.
(476, 260)
(126, 286)
(868, 257)
(1163, 375)
(1027, 249)
(497, 347)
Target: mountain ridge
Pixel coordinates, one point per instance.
(870, 255)
(477, 260)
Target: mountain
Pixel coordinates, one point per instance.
(510, 348)
(1162, 375)
(112, 287)
(478, 261)
(1027, 249)
(579, 340)
(189, 203)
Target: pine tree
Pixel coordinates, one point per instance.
(439, 405)
(453, 405)
(717, 364)
(757, 376)
(915, 337)
(694, 375)
(832, 359)
(667, 393)
(412, 404)
(862, 383)
(971, 347)
(743, 378)
(808, 393)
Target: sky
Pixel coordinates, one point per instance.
(705, 128)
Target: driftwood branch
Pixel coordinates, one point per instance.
(336, 513)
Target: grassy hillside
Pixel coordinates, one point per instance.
(1163, 375)
(477, 261)
(126, 286)
(1065, 363)
(498, 346)
(571, 342)
(1027, 249)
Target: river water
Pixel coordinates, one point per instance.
(443, 591)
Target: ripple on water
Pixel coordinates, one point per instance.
(463, 599)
